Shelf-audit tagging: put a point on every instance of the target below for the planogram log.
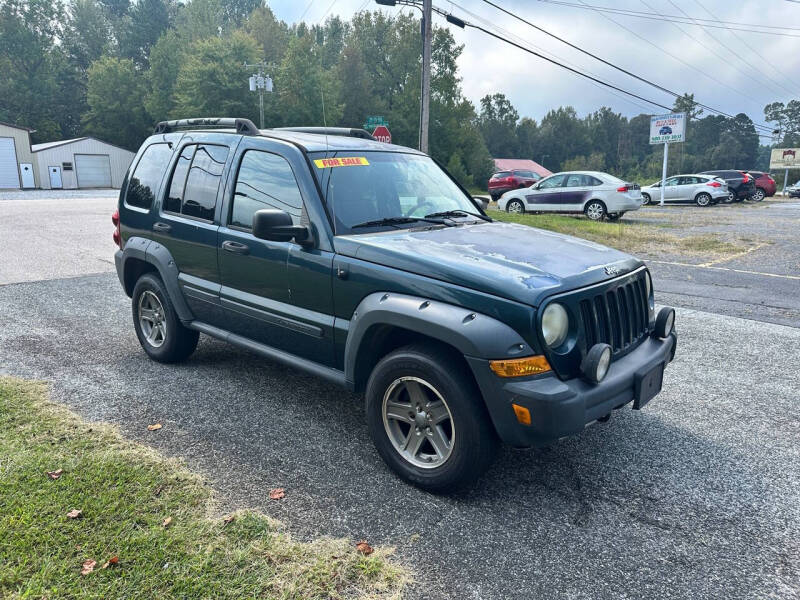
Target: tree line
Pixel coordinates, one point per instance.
(112, 68)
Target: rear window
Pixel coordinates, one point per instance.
(144, 181)
(524, 173)
(501, 175)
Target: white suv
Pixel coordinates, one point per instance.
(597, 195)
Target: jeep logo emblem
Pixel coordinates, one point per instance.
(611, 271)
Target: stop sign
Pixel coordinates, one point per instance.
(382, 134)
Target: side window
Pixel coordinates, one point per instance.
(671, 181)
(265, 180)
(552, 182)
(146, 176)
(172, 203)
(574, 181)
(593, 181)
(200, 193)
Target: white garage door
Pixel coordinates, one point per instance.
(94, 170)
(9, 175)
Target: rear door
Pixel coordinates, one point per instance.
(187, 220)
(574, 192)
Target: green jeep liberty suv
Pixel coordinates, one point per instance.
(365, 263)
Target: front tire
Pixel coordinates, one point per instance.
(595, 210)
(731, 197)
(427, 419)
(515, 207)
(161, 333)
(702, 199)
(646, 199)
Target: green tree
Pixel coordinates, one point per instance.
(564, 136)
(87, 33)
(356, 95)
(165, 62)
(271, 34)
(211, 80)
(498, 123)
(114, 94)
(302, 85)
(147, 20)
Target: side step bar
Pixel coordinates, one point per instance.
(290, 360)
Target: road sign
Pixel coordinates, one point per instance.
(667, 129)
(382, 134)
(784, 158)
(374, 121)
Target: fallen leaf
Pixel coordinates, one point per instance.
(364, 548)
(55, 474)
(277, 494)
(167, 522)
(158, 490)
(228, 520)
(111, 561)
(88, 566)
(154, 427)
(75, 513)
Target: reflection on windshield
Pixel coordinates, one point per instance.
(385, 185)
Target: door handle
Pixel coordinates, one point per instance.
(235, 247)
(162, 227)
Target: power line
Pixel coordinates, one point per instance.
(683, 62)
(745, 27)
(731, 50)
(604, 61)
(305, 11)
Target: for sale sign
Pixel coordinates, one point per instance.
(667, 129)
(784, 158)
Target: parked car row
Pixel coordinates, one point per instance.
(595, 194)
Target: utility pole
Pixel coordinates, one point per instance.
(260, 82)
(425, 101)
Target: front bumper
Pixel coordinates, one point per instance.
(562, 408)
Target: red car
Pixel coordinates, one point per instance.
(765, 185)
(502, 181)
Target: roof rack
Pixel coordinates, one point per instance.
(243, 126)
(343, 131)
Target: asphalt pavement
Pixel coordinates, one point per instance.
(697, 496)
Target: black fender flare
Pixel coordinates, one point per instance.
(472, 333)
(157, 255)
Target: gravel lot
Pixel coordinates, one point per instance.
(696, 496)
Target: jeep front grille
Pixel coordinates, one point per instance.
(618, 316)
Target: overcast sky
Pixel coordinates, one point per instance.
(766, 69)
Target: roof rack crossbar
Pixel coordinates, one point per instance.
(242, 126)
(343, 131)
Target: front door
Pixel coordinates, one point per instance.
(671, 189)
(546, 195)
(55, 178)
(27, 175)
(276, 293)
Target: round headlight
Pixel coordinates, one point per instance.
(596, 362)
(555, 325)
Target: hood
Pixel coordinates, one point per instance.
(503, 259)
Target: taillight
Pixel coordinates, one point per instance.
(714, 184)
(623, 188)
(746, 178)
(117, 235)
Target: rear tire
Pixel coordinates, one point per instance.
(595, 210)
(731, 197)
(427, 419)
(615, 216)
(161, 333)
(758, 195)
(702, 199)
(646, 199)
(515, 206)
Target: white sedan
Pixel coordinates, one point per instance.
(597, 195)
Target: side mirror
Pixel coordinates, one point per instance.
(483, 203)
(276, 225)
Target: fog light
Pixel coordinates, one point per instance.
(520, 367)
(665, 322)
(596, 362)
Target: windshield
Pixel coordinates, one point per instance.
(360, 187)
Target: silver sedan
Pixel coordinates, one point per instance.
(700, 189)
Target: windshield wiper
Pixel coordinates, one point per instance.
(397, 221)
(458, 213)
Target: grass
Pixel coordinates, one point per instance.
(126, 491)
(629, 236)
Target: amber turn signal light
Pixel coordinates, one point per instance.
(520, 367)
(523, 414)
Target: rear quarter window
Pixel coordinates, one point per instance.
(144, 181)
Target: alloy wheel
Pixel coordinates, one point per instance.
(152, 320)
(515, 206)
(595, 211)
(418, 422)
(758, 196)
